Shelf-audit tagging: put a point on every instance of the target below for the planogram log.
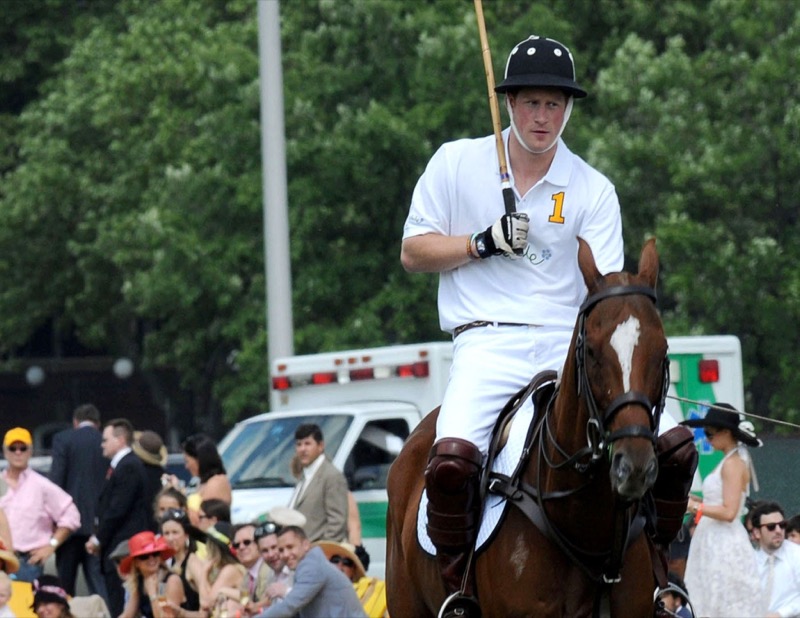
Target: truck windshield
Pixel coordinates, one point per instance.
(259, 454)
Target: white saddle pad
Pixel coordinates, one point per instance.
(495, 505)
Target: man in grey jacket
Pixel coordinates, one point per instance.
(320, 590)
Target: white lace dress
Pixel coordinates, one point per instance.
(721, 571)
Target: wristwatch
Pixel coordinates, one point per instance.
(53, 542)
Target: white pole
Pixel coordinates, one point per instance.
(277, 265)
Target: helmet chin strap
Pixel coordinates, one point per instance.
(567, 113)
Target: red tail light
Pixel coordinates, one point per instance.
(709, 371)
(281, 383)
(362, 374)
(328, 377)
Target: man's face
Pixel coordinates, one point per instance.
(293, 548)
(307, 450)
(18, 455)
(794, 536)
(111, 444)
(204, 522)
(538, 115)
(770, 540)
(270, 552)
(244, 543)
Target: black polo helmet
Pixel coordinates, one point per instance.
(540, 62)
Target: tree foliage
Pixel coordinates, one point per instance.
(131, 187)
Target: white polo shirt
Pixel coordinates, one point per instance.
(460, 193)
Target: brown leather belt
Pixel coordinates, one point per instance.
(480, 324)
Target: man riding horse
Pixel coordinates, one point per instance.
(510, 286)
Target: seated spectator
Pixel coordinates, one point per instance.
(793, 529)
(50, 600)
(220, 573)
(211, 513)
(371, 591)
(145, 574)
(279, 576)
(169, 498)
(182, 537)
(319, 590)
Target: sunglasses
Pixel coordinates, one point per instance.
(145, 557)
(245, 543)
(178, 515)
(266, 529)
(771, 527)
(345, 561)
(18, 449)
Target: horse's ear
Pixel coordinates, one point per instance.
(648, 263)
(591, 276)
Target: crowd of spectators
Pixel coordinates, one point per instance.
(151, 547)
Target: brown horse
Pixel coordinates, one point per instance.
(591, 461)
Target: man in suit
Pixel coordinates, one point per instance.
(321, 493)
(319, 590)
(79, 468)
(122, 510)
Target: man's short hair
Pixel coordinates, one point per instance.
(299, 532)
(122, 428)
(214, 507)
(765, 508)
(308, 429)
(793, 524)
(238, 527)
(87, 412)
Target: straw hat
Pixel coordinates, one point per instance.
(150, 448)
(343, 550)
(144, 543)
(9, 558)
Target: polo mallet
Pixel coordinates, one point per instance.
(505, 180)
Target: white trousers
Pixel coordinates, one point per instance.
(490, 365)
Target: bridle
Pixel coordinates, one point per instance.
(598, 436)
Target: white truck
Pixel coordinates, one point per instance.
(368, 401)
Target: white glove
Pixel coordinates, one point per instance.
(507, 235)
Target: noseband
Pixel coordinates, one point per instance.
(596, 432)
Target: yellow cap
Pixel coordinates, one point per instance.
(18, 434)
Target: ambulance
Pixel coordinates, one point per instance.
(368, 401)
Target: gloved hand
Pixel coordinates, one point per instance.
(509, 234)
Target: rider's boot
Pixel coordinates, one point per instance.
(677, 462)
(452, 481)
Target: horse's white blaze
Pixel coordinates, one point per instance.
(519, 557)
(624, 341)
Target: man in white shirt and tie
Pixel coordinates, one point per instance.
(321, 493)
(778, 561)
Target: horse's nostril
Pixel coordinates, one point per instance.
(621, 464)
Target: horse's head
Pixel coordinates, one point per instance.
(621, 352)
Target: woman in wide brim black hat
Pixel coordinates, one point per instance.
(721, 561)
(724, 416)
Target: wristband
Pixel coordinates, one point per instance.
(698, 514)
(470, 252)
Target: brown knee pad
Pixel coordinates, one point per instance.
(452, 480)
(677, 462)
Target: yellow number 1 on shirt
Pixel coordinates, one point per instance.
(558, 205)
